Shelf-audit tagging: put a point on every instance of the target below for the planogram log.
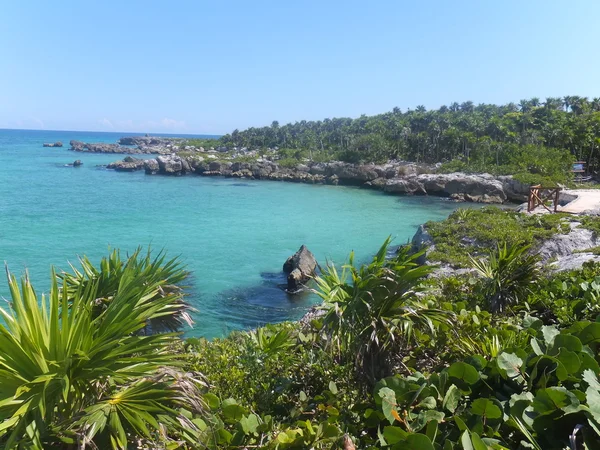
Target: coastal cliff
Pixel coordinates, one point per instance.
(394, 177)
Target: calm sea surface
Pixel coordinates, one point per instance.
(234, 235)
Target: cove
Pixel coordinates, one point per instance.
(233, 235)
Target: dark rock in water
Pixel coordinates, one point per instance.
(56, 144)
(77, 163)
(300, 267)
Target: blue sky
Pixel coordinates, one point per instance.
(210, 67)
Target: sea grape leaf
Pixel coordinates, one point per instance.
(393, 435)
(568, 342)
(425, 417)
(510, 363)
(388, 404)
(427, 403)
(486, 408)
(590, 334)
(591, 379)
(535, 345)
(593, 400)
(588, 362)
(554, 398)
(249, 423)
(212, 401)
(549, 332)
(333, 388)
(452, 398)
(464, 372)
(231, 409)
(532, 322)
(416, 441)
(477, 361)
(569, 360)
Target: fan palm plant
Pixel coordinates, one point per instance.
(373, 310)
(74, 376)
(507, 276)
(167, 275)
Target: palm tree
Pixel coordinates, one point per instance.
(508, 275)
(373, 311)
(77, 376)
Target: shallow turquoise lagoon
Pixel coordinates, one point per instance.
(234, 235)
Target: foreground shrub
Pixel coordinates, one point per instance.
(74, 375)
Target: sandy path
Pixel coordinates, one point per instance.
(586, 199)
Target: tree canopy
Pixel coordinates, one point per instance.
(483, 134)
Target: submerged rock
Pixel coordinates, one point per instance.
(300, 267)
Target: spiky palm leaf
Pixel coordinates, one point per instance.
(374, 307)
(168, 274)
(507, 276)
(72, 375)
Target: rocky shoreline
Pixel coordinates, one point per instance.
(395, 177)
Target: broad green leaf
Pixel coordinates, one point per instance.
(333, 388)
(427, 403)
(452, 398)
(591, 379)
(569, 359)
(388, 404)
(424, 417)
(590, 334)
(464, 372)
(249, 423)
(549, 333)
(393, 435)
(568, 342)
(212, 401)
(549, 400)
(510, 363)
(486, 408)
(416, 441)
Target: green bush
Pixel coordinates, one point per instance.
(481, 230)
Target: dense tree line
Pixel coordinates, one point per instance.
(476, 134)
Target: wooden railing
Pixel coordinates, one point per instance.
(539, 196)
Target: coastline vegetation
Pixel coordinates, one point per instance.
(535, 140)
(501, 358)
(474, 232)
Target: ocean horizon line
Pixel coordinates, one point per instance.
(124, 133)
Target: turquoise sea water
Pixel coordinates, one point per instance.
(234, 235)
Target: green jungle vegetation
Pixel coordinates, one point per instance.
(504, 358)
(535, 140)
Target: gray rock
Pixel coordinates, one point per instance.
(422, 240)
(170, 165)
(128, 164)
(300, 267)
(567, 251)
(151, 166)
(404, 186)
(55, 144)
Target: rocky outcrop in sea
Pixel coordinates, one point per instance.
(101, 147)
(393, 177)
(53, 144)
(300, 267)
